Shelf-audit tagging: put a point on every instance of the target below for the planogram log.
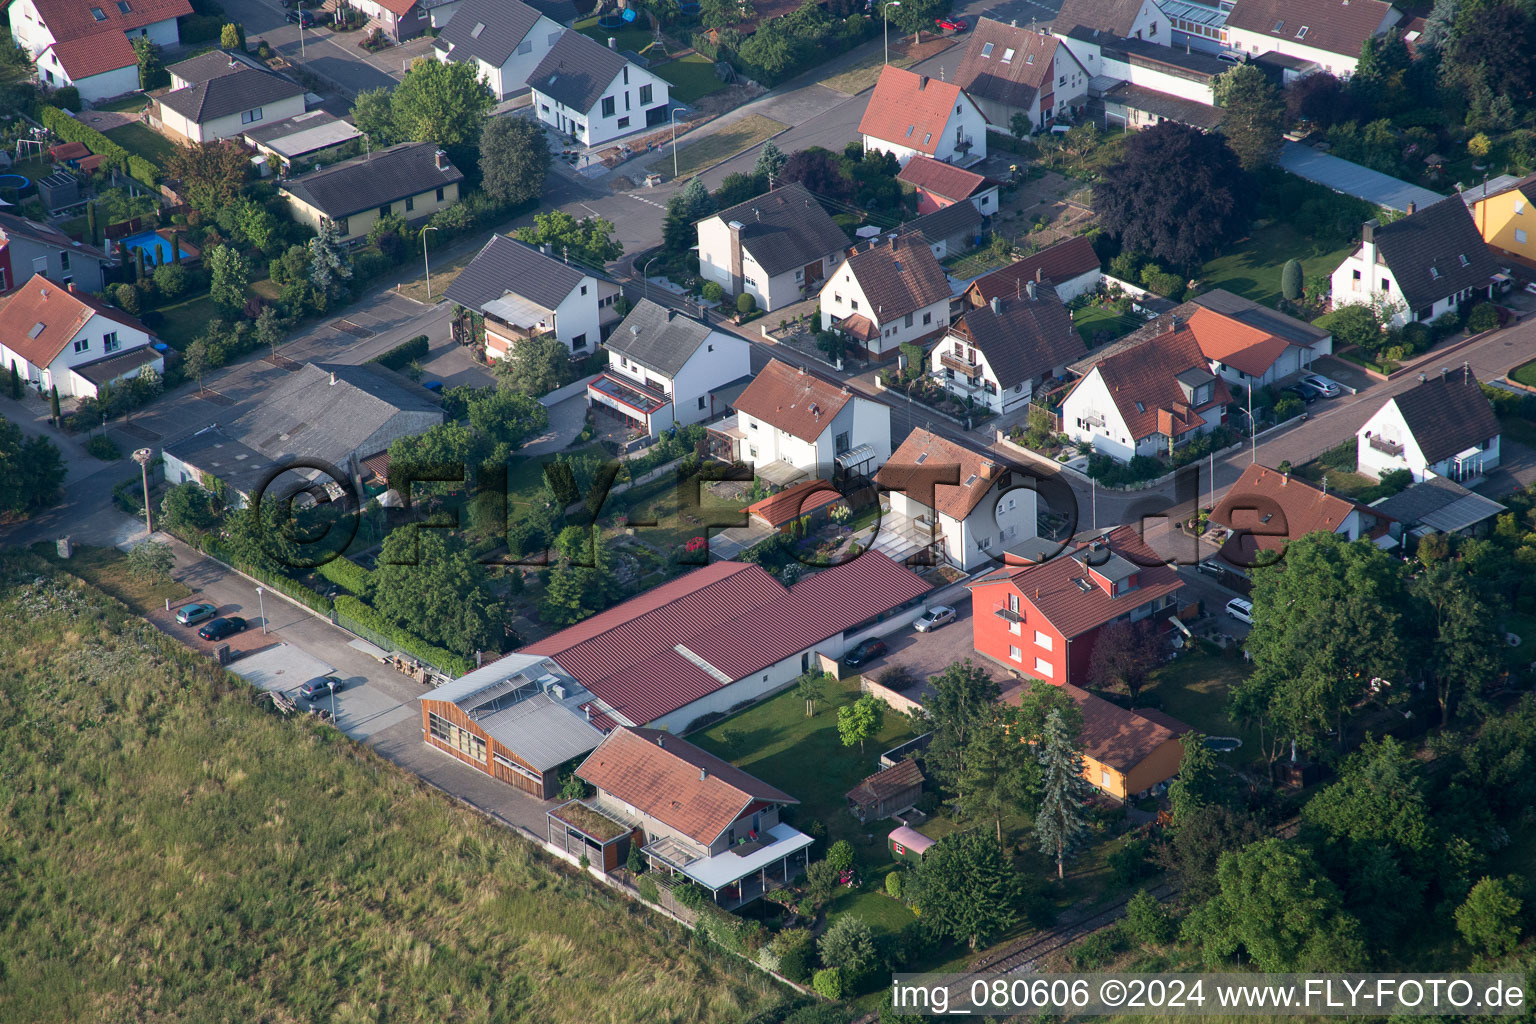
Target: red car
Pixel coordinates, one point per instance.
(952, 24)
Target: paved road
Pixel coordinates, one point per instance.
(335, 58)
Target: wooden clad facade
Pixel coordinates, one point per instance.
(454, 733)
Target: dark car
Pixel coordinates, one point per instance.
(866, 651)
(1301, 391)
(320, 687)
(302, 18)
(220, 628)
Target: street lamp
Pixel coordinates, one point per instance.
(673, 119)
(299, 6)
(885, 12)
(424, 261)
(645, 275)
(142, 457)
(262, 602)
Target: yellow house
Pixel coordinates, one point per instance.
(412, 180)
(1125, 752)
(1506, 218)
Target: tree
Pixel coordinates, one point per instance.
(444, 444)
(860, 720)
(373, 115)
(1192, 848)
(15, 382)
(212, 174)
(428, 582)
(811, 687)
(963, 697)
(269, 330)
(229, 276)
(31, 470)
(328, 266)
(738, 188)
(538, 366)
(151, 71)
(770, 163)
(1488, 55)
(770, 48)
(229, 37)
(256, 225)
(1290, 280)
(1254, 115)
(504, 419)
(967, 888)
(998, 778)
(1124, 654)
(918, 16)
(687, 206)
(1176, 194)
(197, 360)
(820, 171)
(1199, 783)
(1062, 820)
(588, 239)
(849, 945)
(1479, 146)
(1462, 656)
(840, 856)
(151, 562)
(1147, 920)
(188, 506)
(445, 103)
(568, 597)
(514, 158)
(1489, 919)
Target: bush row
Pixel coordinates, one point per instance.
(70, 130)
(344, 572)
(282, 584)
(403, 354)
(415, 646)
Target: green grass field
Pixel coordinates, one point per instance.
(1196, 688)
(185, 320)
(145, 141)
(710, 150)
(170, 851)
(1252, 267)
(1092, 321)
(1525, 374)
(691, 77)
(627, 38)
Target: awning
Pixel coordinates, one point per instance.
(780, 473)
(856, 456)
(517, 311)
(721, 870)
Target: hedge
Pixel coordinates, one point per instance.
(344, 572)
(415, 646)
(282, 584)
(70, 130)
(403, 354)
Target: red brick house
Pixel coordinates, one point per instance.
(1041, 620)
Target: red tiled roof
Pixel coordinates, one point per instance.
(1055, 263)
(675, 782)
(941, 179)
(95, 55)
(887, 782)
(923, 481)
(1052, 589)
(88, 46)
(1142, 381)
(793, 400)
(898, 275)
(55, 313)
(857, 325)
(793, 502)
(1278, 508)
(69, 151)
(909, 109)
(1235, 343)
(733, 616)
(398, 7)
(1115, 736)
(1338, 26)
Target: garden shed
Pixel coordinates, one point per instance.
(908, 844)
(887, 792)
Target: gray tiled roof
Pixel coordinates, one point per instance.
(1435, 252)
(363, 183)
(1024, 337)
(576, 71)
(785, 228)
(1447, 413)
(946, 222)
(213, 64)
(1439, 504)
(240, 90)
(502, 25)
(658, 338)
(1166, 105)
(507, 265)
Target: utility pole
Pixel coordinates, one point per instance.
(426, 264)
(142, 457)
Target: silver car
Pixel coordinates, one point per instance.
(192, 614)
(933, 618)
(1328, 388)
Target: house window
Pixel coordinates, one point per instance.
(109, 342)
(410, 203)
(1015, 653)
(439, 195)
(623, 122)
(525, 47)
(841, 444)
(701, 401)
(83, 345)
(853, 304)
(1520, 235)
(580, 341)
(454, 738)
(927, 319)
(98, 14)
(583, 289)
(64, 261)
(608, 106)
(1042, 640)
(1045, 668)
(40, 264)
(384, 210)
(646, 92)
(909, 320)
(1013, 603)
(1008, 55)
(626, 74)
(251, 116)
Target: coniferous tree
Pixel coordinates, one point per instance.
(1062, 820)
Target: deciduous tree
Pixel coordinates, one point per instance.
(31, 470)
(537, 367)
(966, 887)
(374, 116)
(860, 720)
(810, 688)
(440, 102)
(212, 174)
(1124, 654)
(514, 158)
(229, 276)
(962, 699)
(188, 506)
(151, 561)
(428, 582)
(1489, 919)
(589, 239)
(1463, 649)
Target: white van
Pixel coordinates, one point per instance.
(1241, 610)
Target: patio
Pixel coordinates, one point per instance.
(744, 872)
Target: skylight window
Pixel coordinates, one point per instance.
(1008, 55)
(970, 480)
(922, 458)
(927, 138)
(123, 8)
(1302, 32)
(1029, 58)
(35, 331)
(986, 50)
(910, 129)
(474, 33)
(1140, 407)
(98, 14)
(1278, 26)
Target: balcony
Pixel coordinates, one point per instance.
(1392, 448)
(1007, 614)
(954, 362)
(627, 395)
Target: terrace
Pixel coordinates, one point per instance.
(742, 873)
(1392, 448)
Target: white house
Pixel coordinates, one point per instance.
(398, 19)
(523, 292)
(1186, 75)
(1419, 266)
(664, 369)
(57, 337)
(1010, 70)
(888, 293)
(1128, 19)
(90, 47)
(221, 95)
(1000, 353)
(911, 114)
(1328, 33)
(792, 425)
(1146, 399)
(1442, 426)
(504, 40)
(1266, 509)
(777, 247)
(584, 89)
(953, 505)
(1252, 345)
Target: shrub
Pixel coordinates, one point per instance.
(648, 891)
(1484, 317)
(690, 895)
(1097, 949)
(840, 855)
(104, 448)
(1288, 407)
(1147, 920)
(745, 303)
(793, 947)
(170, 280)
(127, 298)
(1129, 862)
(1155, 278)
(70, 130)
(829, 982)
(404, 353)
(767, 959)
(712, 291)
(344, 572)
(66, 98)
(895, 884)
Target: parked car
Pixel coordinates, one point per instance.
(1241, 610)
(1326, 387)
(933, 618)
(191, 614)
(220, 628)
(952, 24)
(320, 686)
(1211, 568)
(1302, 391)
(1231, 57)
(302, 18)
(869, 650)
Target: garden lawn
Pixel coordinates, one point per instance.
(1251, 268)
(145, 141)
(202, 858)
(1094, 320)
(184, 321)
(629, 37)
(132, 101)
(1196, 688)
(691, 77)
(805, 758)
(1525, 374)
(740, 135)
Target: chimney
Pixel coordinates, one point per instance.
(588, 709)
(1413, 207)
(1039, 275)
(802, 370)
(1034, 290)
(1444, 370)
(333, 378)
(1285, 478)
(442, 160)
(1368, 238)
(634, 329)
(735, 227)
(997, 305)
(661, 741)
(922, 82)
(703, 773)
(1466, 372)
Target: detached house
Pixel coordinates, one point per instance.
(939, 185)
(890, 292)
(504, 40)
(1128, 19)
(412, 180)
(1250, 345)
(1011, 72)
(1001, 353)
(1421, 266)
(90, 46)
(1126, 752)
(398, 19)
(583, 89)
(1147, 399)
(913, 115)
(949, 230)
(954, 506)
(523, 292)
(222, 95)
(1070, 266)
(1329, 33)
(58, 336)
(1143, 83)
(28, 247)
(1042, 619)
(792, 425)
(1504, 217)
(1267, 509)
(664, 369)
(778, 247)
(1443, 426)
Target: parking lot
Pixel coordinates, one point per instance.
(928, 654)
